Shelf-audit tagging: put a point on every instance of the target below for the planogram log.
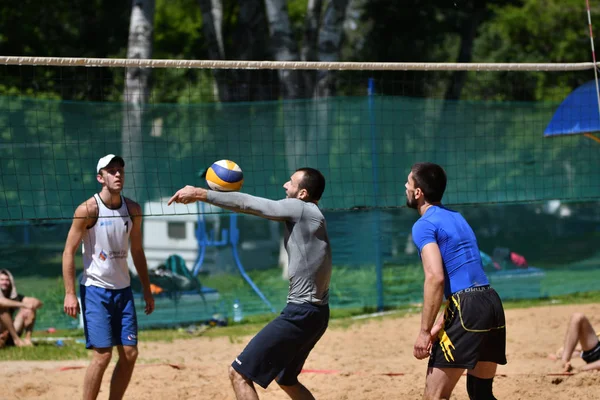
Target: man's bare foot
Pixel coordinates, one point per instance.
(3, 338)
(557, 355)
(21, 343)
(27, 342)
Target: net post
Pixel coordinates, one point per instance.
(376, 216)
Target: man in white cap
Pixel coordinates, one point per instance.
(107, 223)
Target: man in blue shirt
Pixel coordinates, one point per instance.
(471, 332)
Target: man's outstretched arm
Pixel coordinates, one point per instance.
(277, 210)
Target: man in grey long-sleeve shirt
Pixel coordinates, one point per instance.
(280, 348)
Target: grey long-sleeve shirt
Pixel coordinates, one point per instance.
(306, 241)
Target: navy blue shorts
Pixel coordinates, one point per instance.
(109, 317)
(280, 349)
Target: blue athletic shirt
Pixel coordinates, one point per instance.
(458, 246)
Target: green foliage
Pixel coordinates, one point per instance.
(377, 30)
(297, 14)
(91, 29)
(534, 32)
(552, 31)
(178, 35)
(177, 29)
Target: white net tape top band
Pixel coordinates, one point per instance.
(312, 65)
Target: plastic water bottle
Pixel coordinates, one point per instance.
(238, 313)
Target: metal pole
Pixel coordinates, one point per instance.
(376, 214)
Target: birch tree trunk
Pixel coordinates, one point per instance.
(291, 87)
(465, 54)
(136, 93)
(330, 44)
(212, 26)
(309, 40)
(251, 42)
(450, 108)
(284, 48)
(328, 50)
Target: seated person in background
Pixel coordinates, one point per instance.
(12, 326)
(580, 332)
(503, 258)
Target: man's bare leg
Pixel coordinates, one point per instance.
(23, 323)
(123, 371)
(579, 330)
(27, 316)
(484, 370)
(3, 337)
(440, 382)
(95, 372)
(7, 323)
(242, 386)
(297, 392)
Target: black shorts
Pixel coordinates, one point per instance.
(592, 355)
(280, 348)
(474, 330)
(9, 341)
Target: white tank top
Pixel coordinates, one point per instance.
(106, 246)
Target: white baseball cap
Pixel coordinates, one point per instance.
(107, 159)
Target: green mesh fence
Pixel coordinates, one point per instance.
(492, 151)
(534, 196)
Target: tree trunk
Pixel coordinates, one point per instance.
(452, 155)
(291, 86)
(309, 41)
(465, 54)
(251, 41)
(136, 93)
(329, 47)
(330, 43)
(284, 48)
(212, 23)
(283, 260)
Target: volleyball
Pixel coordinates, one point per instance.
(225, 176)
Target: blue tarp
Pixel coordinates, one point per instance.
(577, 114)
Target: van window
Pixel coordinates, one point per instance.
(176, 230)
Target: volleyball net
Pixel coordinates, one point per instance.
(362, 124)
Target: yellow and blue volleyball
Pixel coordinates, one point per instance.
(225, 176)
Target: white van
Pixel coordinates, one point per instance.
(173, 229)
